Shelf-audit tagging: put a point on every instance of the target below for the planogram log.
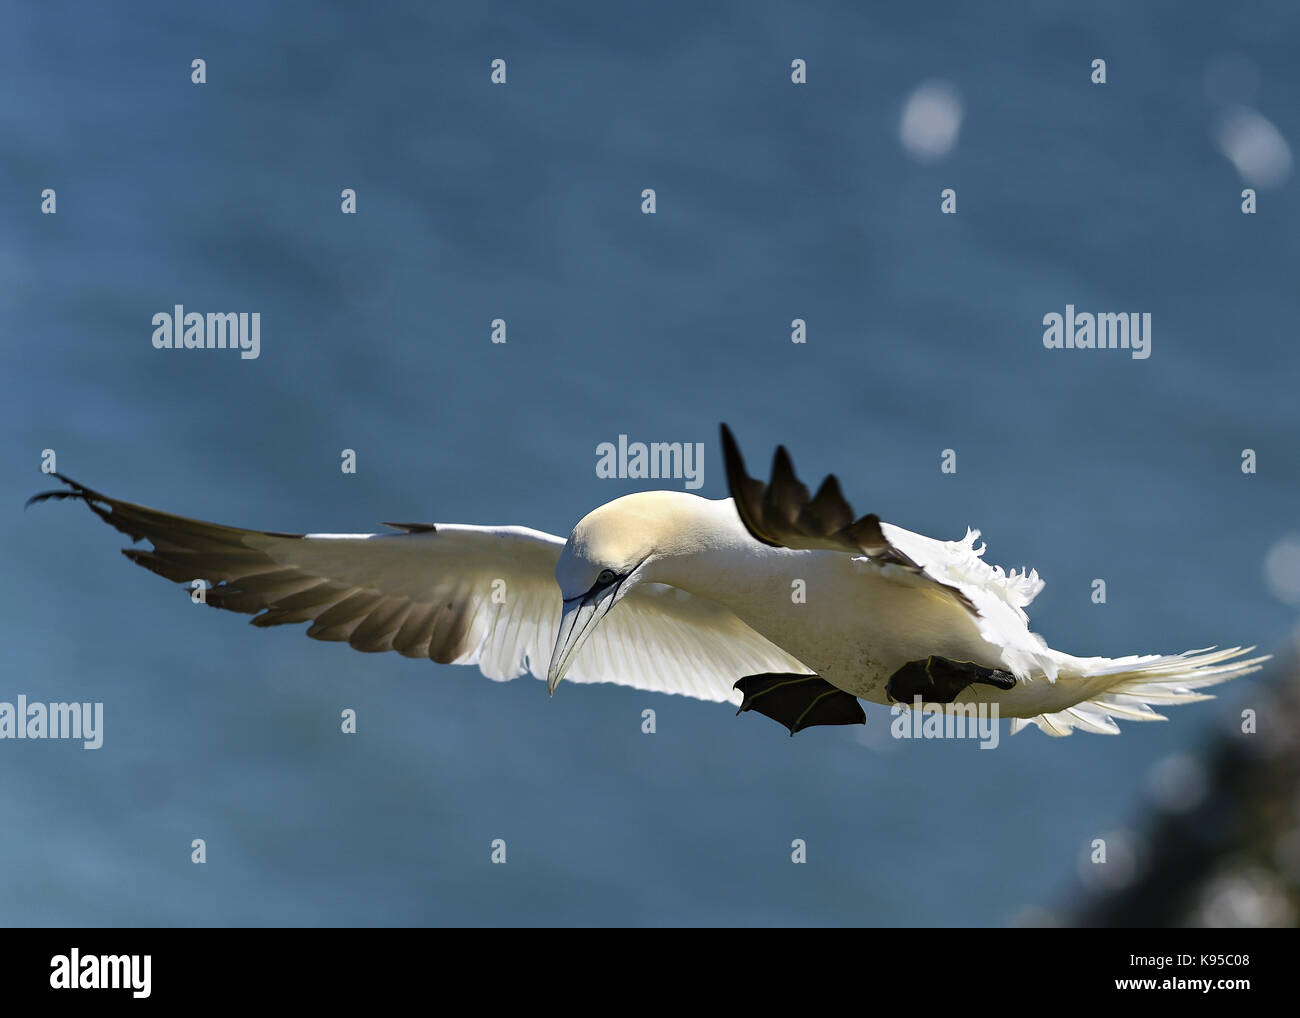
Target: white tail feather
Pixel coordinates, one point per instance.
(1124, 688)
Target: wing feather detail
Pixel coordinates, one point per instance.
(451, 593)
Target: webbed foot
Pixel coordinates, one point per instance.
(799, 701)
(939, 680)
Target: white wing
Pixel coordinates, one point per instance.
(1000, 598)
(784, 514)
(456, 594)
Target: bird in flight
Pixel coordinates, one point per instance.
(668, 591)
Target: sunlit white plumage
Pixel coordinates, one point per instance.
(671, 592)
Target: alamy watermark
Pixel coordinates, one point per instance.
(23, 720)
(75, 971)
(681, 460)
(1104, 331)
(921, 720)
(234, 330)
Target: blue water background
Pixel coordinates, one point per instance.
(523, 202)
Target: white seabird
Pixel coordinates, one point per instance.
(671, 592)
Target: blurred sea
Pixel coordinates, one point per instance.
(522, 202)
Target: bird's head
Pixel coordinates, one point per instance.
(611, 551)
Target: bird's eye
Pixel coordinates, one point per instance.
(606, 576)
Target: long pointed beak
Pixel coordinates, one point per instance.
(581, 617)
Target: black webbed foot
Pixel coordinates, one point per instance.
(799, 701)
(938, 680)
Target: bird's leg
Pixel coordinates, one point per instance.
(939, 680)
(799, 701)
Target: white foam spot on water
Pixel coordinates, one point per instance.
(1254, 146)
(1282, 569)
(930, 122)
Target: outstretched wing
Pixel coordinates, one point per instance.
(999, 598)
(961, 565)
(454, 593)
(783, 514)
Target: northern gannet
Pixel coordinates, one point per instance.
(672, 592)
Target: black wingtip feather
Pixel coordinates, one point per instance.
(782, 514)
(74, 490)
